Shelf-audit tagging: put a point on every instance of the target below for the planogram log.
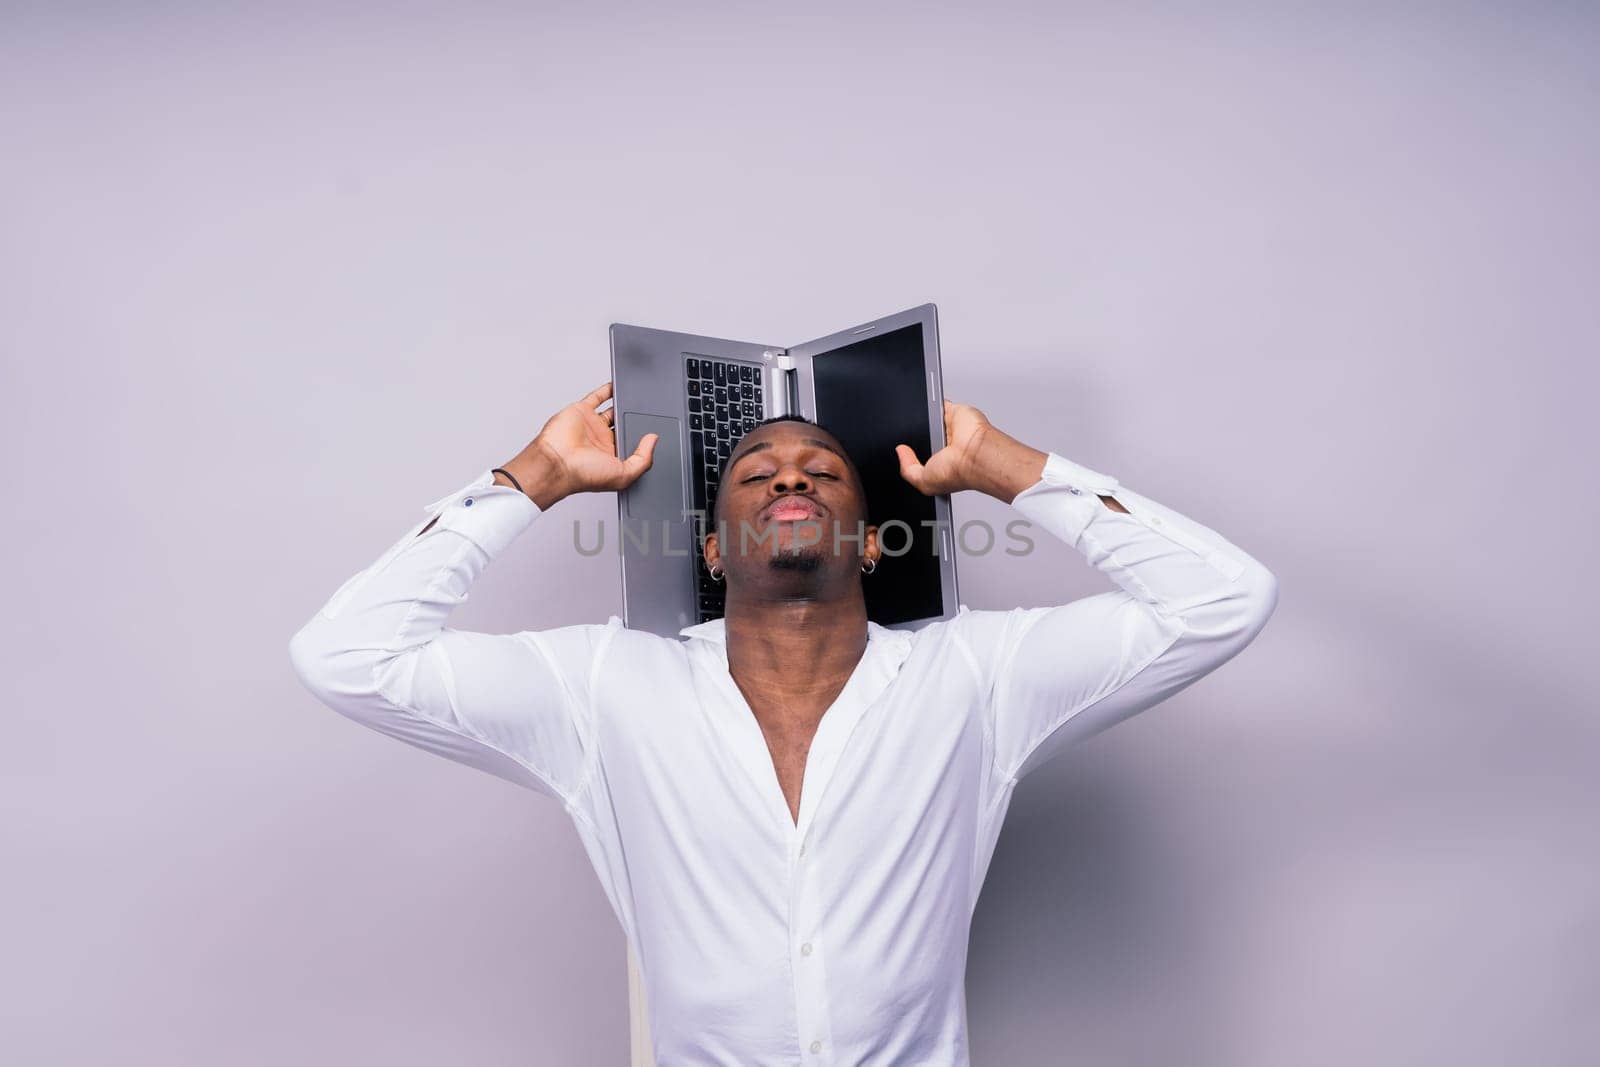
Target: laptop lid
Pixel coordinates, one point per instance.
(874, 386)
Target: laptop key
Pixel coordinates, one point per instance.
(719, 373)
(694, 367)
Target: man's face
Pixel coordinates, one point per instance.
(785, 490)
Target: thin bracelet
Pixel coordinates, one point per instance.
(502, 470)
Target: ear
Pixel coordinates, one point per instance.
(712, 552)
(869, 545)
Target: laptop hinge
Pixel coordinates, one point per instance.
(783, 382)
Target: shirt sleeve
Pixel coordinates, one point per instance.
(1187, 601)
(379, 652)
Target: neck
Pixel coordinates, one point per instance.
(799, 648)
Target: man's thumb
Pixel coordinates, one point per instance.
(910, 469)
(642, 458)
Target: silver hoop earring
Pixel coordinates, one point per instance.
(716, 575)
(865, 569)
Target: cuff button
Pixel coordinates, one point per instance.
(467, 502)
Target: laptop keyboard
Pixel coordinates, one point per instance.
(724, 404)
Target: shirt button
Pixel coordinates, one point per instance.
(816, 1046)
(467, 502)
(1074, 490)
(1155, 520)
(805, 949)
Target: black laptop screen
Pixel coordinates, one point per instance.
(873, 395)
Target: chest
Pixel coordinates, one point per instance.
(701, 776)
(712, 795)
(788, 735)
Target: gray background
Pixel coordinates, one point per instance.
(1323, 279)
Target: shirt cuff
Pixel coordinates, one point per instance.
(1066, 498)
(486, 513)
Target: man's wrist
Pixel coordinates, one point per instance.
(1004, 466)
(539, 476)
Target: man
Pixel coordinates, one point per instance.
(791, 812)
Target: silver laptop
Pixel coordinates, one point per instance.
(874, 385)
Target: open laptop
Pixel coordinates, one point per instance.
(875, 385)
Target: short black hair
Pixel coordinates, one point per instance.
(722, 469)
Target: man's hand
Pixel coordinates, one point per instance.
(576, 452)
(976, 455)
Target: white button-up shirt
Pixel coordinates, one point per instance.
(840, 938)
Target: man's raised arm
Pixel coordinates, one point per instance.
(1187, 599)
(515, 705)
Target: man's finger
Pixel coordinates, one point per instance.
(597, 396)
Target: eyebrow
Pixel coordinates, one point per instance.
(759, 445)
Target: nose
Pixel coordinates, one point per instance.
(790, 478)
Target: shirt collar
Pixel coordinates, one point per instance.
(711, 631)
(716, 632)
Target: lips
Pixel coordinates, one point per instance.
(793, 509)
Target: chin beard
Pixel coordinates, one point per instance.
(797, 562)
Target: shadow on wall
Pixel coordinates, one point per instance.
(1359, 841)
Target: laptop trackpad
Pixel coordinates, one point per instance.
(658, 494)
